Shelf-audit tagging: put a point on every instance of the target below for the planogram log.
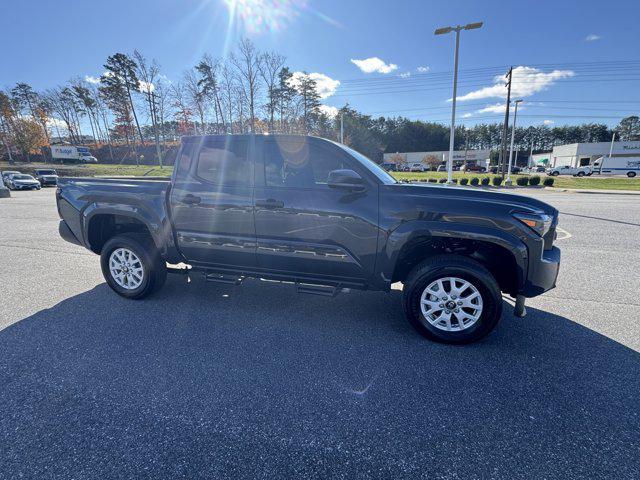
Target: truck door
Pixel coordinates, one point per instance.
(212, 202)
(304, 227)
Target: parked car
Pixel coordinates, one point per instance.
(323, 216)
(471, 167)
(569, 170)
(441, 168)
(540, 169)
(417, 167)
(629, 166)
(46, 176)
(496, 169)
(20, 181)
(390, 167)
(6, 174)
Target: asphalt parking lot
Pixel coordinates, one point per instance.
(210, 381)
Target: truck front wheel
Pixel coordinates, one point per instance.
(452, 299)
(132, 265)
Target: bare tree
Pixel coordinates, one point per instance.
(270, 67)
(148, 74)
(161, 102)
(227, 92)
(247, 64)
(63, 104)
(182, 108)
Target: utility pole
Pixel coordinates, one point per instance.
(513, 134)
(342, 128)
(505, 129)
(442, 31)
(613, 139)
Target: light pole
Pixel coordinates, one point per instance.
(442, 31)
(513, 134)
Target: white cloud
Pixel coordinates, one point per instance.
(499, 108)
(326, 85)
(53, 122)
(329, 111)
(467, 115)
(91, 79)
(146, 87)
(592, 37)
(495, 108)
(526, 82)
(374, 64)
(405, 75)
(548, 122)
(423, 69)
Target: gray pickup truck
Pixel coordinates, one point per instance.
(319, 214)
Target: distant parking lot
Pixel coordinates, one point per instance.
(206, 381)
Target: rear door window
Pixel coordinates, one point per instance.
(225, 162)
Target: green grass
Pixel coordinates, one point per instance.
(595, 183)
(94, 170)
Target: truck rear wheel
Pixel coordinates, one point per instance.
(132, 265)
(452, 299)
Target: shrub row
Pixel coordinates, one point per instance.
(533, 181)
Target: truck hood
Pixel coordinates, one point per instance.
(509, 200)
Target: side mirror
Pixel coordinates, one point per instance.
(345, 179)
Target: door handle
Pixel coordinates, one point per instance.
(191, 199)
(269, 203)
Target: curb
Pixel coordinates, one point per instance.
(601, 192)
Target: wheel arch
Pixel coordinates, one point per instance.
(102, 224)
(502, 254)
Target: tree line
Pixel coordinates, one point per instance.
(132, 104)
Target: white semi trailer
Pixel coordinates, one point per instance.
(71, 154)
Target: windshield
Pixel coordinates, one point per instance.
(46, 172)
(370, 165)
(22, 177)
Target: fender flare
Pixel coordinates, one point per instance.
(409, 231)
(153, 223)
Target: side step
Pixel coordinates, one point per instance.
(224, 279)
(324, 290)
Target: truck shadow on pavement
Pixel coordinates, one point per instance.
(205, 381)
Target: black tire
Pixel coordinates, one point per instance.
(554, 174)
(580, 174)
(631, 174)
(154, 267)
(463, 268)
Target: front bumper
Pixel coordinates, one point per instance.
(542, 273)
(66, 233)
(31, 186)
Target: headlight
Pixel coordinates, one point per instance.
(540, 223)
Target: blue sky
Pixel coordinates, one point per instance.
(561, 44)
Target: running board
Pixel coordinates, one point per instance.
(224, 279)
(323, 290)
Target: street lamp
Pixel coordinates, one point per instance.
(442, 31)
(513, 134)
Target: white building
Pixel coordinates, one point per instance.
(580, 154)
(459, 157)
